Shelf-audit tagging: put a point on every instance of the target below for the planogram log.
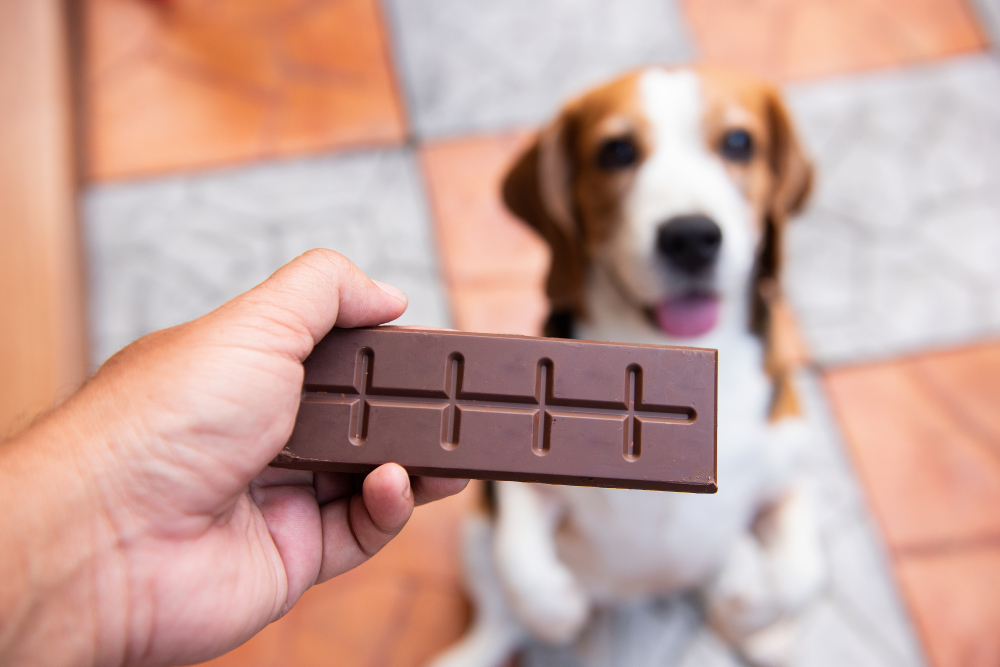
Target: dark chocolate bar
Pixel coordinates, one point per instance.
(485, 406)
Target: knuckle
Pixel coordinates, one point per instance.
(320, 256)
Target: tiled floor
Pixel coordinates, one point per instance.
(798, 39)
(924, 433)
(182, 84)
(895, 255)
(486, 66)
(897, 251)
(494, 266)
(166, 250)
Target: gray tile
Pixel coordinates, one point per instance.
(861, 590)
(861, 619)
(165, 251)
(897, 249)
(827, 639)
(469, 66)
(823, 267)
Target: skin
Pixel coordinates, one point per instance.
(140, 523)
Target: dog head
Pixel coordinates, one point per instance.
(677, 184)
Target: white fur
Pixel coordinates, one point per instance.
(681, 176)
(560, 550)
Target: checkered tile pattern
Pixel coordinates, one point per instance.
(168, 250)
(422, 104)
(475, 67)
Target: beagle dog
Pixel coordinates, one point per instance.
(664, 196)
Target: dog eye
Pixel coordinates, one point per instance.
(617, 154)
(737, 145)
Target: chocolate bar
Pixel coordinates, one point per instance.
(497, 407)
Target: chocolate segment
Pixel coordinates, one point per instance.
(486, 406)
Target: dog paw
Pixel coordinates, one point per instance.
(554, 610)
(770, 647)
(742, 600)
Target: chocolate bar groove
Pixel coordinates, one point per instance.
(635, 412)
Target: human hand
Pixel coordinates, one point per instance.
(174, 541)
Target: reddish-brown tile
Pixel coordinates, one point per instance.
(497, 309)
(437, 619)
(953, 598)
(795, 39)
(932, 471)
(966, 382)
(359, 624)
(185, 84)
(494, 265)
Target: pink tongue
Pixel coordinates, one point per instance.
(690, 315)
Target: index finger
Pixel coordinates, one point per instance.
(309, 296)
(429, 489)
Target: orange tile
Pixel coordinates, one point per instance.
(397, 610)
(497, 309)
(186, 84)
(953, 598)
(932, 471)
(796, 39)
(494, 265)
(437, 619)
(966, 383)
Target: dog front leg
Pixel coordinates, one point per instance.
(789, 533)
(771, 574)
(495, 633)
(543, 592)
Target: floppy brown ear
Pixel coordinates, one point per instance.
(792, 176)
(538, 189)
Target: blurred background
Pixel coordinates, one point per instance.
(158, 157)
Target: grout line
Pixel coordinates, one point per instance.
(947, 547)
(393, 53)
(986, 15)
(980, 434)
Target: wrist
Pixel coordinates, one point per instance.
(62, 599)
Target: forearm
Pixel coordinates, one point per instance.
(54, 561)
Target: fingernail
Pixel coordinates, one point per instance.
(391, 290)
(406, 491)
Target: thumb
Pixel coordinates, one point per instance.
(314, 292)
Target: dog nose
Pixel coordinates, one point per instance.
(689, 242)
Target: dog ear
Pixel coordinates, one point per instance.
(538, 188)
(792, 176)
(793, 173)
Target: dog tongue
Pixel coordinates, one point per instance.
(690, 315)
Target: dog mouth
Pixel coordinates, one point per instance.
(686, 316)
